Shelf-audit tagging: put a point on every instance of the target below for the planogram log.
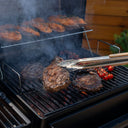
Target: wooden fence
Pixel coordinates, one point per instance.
(106, 18)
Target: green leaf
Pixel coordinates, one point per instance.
(122, 41)
(113, 49)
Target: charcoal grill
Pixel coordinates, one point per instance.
(70, 107)
(51, 106)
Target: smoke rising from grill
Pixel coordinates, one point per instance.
(29, 8)
(23, 10)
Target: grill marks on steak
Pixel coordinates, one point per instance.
(89, 82)
(32, 71)
(55, 78)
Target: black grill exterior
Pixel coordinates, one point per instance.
(67, 108)
(45, 106)
(10, 115)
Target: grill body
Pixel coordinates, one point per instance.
(67, 108)
(71, 106)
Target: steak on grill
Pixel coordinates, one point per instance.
(89, 82)
(32, 71)
(55, 78)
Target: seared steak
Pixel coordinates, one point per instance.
(89, 82)
(32, 71)
(55, 78)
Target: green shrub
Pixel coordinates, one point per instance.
(122, 40)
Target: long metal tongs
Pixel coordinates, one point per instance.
(85, 63)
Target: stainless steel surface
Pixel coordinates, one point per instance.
(6, 66)
(112, 59)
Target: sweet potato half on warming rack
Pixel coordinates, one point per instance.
(28, 31)
(11, 36)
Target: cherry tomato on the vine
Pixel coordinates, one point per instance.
(110, 68)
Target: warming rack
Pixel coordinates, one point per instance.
(46, 37)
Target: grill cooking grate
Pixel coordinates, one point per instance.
(9, 116)
(45, 103)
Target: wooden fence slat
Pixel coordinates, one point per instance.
(107, 7)
(104, 32)
(107, 20)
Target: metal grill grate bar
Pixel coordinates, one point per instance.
(5, 119)
(9, 113)
(2, 124)
(45, 103)
(34, 103)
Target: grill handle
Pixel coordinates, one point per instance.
(118, 55)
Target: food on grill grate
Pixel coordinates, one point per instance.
(43, 27)
(56, 27)
(32, 71)
(7, 27)
(57, 60)
(62, 20)
(78, 20)
(10, 35)
(27, 31)
(39, 24)
(89, 82)
(55, 78)
(104, 74)
(67, 21)
(38, 19)
(56, 18)
(68, 55)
